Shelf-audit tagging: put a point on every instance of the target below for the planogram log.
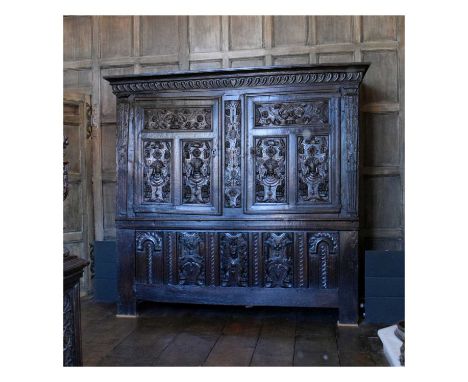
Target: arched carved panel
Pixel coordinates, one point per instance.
(148, 250)
(323, 251)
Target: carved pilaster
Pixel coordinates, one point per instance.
(350, 119)
(301, 260)
(123, 116)
(122, 132)
(232, 160)
(212, 256)
(256, 259)
(170, 257)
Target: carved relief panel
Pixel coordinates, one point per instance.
(191, 258)
(232, 154)
(291, 113)
(179, 118)
(148, 260)
(313, 169)
(157, 171)
(323, 252)
(196, 172)
(270, 170)
(278, 260)
(234, 261)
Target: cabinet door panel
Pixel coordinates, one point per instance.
(176, 157)
(292, 140)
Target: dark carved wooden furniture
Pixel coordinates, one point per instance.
(73, 268)
(239, 186)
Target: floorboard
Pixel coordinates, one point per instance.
(199, 335)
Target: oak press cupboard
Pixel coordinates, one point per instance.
(239, 186)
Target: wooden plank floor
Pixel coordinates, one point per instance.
(198, 335)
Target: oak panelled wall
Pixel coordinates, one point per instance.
(98, 46)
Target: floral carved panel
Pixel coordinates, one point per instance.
(181, 118)
(291, 113)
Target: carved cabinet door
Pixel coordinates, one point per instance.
(291, 141)
(177, 156)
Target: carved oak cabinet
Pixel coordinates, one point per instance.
(239, 186)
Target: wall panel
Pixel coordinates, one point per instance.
(159, 68)
(116, 36)
(159, 35)
(380, 139)
(289, 30)
(108, 142)
(77, 79)
(379, 28)
(381, 81)
(383, 200)
(291, 60)
(245, 32)
(333, 29)
(331, 58)
(109, 195)
(200, 65)
(204, 34)
(254, 61)
(77, 38)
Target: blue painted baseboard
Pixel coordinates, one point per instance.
(384, 286)
(105, 266)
